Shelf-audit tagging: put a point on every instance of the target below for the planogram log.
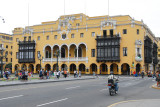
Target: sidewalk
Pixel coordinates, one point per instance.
(137, 103)
(155, 86)
(37, 81)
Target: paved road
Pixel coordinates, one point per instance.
(81, 93)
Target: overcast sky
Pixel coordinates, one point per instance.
(15, 12)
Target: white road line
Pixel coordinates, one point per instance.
(11, 97)
(52, 102)
(72, 87)
(104, 89)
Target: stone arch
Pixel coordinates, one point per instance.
(125, 69)
(24, 67)
(138, 68)
(16, 67)
(38, 66)
(64, 51)
(82, 43)
(54, 67)
(55, 48)
(71, 45)
(31, 68)
(114, 68)
(103, 68)
(82, 50)
(48, 52)
(72, 68)
(46, 46)
(93, 68)
(64, 67)
(72, 52)
(47, 67)
(82, 68)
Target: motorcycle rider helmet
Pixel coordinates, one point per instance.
(111, 73)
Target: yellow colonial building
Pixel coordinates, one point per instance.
(6, 41)
(101, 44)
(158, 38)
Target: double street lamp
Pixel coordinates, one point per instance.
(1, 57)
(40, 58)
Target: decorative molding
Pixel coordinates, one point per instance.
(138, 42)
(27, 30)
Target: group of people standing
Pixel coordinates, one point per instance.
(23, 74)
(6, 73)
(47, 74)
(76, 73)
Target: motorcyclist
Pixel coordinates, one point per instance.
(115, 79)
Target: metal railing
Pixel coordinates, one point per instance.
(65, 59)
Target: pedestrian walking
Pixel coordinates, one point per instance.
(134, 73)
(75, 73)
(41, 74)
(94, 74)
(142, 74)
(58, 74)
(79, 73)
(15, 73)
(31, 73)
(29, 76)
(26, 75)
(65, 73)
(47, 74)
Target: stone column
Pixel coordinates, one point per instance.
(68, 54)
(119, 70)
(98, 70)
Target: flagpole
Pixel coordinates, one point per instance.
(108, 8)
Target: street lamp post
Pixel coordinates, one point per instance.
(40, 58)
(57, 54)
(1, 57)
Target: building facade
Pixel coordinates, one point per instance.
(90, 44)
(158, 38)
(6, 41)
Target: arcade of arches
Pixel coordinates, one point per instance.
(70, 51)
(103, 68)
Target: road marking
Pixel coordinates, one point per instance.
(52, 102)
(72, 87)
(140, 100)
(11, 97)
(104, 89)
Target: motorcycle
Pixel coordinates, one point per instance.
(112, 87)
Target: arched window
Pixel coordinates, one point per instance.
(47, 54)
(62, 52)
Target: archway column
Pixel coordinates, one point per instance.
(77, 53)
(119, 70)
(98, 69)
(60, 52)
(51, 54)
(68, 54)
(89, 71)
(109, 69)
(34, 66)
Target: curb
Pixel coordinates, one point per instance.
(26, 83)
(155, 87)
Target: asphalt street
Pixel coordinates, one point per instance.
(81, 93)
